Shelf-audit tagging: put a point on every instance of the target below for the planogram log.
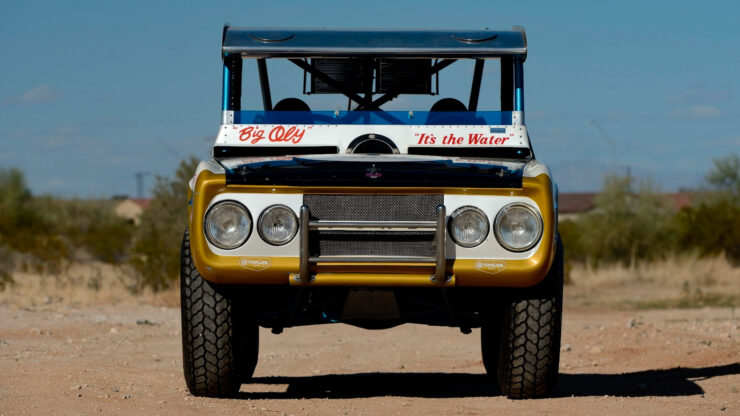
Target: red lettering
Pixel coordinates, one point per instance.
(425, 138)
(486, 140)
(278, 134)
(281, 134)
(475, 138)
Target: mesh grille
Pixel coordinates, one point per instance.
(381, 207)
(372, 243)
(377, 207)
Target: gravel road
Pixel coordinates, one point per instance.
(126, 359)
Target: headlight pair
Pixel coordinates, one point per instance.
(228, 225)
(517, 227)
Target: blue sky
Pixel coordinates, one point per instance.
(92, 92)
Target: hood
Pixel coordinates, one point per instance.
(374, 171)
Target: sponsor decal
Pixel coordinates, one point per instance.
(490, 266)
(277, 134)
(255, 264)
(472, 139)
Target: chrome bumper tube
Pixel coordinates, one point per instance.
(439, 227)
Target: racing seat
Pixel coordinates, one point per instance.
(443, 106)
(448, 104)
(291, 104)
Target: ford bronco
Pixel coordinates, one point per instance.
(377, 214)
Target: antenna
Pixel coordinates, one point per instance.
(609, 140)
(140, 183)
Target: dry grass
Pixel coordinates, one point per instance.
(677, 281)
(83, 283)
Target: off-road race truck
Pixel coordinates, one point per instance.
(377, 214)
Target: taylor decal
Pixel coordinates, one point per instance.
(491, 267)
(255, 263)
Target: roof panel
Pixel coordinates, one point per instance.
(299, 43)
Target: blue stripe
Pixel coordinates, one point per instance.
(519, 92)
(225, 92)
(417, 118)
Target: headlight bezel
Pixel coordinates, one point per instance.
(497, 221)
(262, 216)
(461, 210)
(239, 206)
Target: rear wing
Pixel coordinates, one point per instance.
(304, 43)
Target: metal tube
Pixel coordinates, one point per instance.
(225, 92)
(507, 83)
(264, 84)
(232, 93)
(329, 81)
(317, 225)
(304, 272)
(440, 275)
(475, 88)
(374, 259)
(519, 79)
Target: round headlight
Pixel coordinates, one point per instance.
(468, 226)
(227, 225)
(277, 225)
(518, 227)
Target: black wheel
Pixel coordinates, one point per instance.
(530, 337)
(219, 341)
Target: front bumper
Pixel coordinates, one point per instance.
(434, 271)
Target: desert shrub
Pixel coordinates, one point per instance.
(155, 253)
(725, 177)
(712, 225)
(88, 225)
(626, 225)
(631, 225)
(6, 266)
(710, 228)
(22, 228)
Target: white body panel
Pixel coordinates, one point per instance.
(403, 136)
(256, 247)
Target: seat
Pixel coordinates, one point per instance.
(291, 104)
(448, 104)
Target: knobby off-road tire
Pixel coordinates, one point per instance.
(219, 341)
(530, 337)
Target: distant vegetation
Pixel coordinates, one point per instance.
(631, 223)
(45, 234)
(155, 247)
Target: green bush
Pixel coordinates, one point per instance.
(626, 225)
(710, 229)
(629, 225)
(155, 253)
(88, 225)
(22, 228)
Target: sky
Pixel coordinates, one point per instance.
(93, 92)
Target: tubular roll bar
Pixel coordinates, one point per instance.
(439, 260)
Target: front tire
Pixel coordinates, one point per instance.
(530, 337)
(219, 343)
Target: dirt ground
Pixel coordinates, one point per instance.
(126, 359)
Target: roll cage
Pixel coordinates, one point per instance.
(373, 67)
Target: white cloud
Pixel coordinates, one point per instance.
(697, 112)
(701, 96)
(39, 94)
